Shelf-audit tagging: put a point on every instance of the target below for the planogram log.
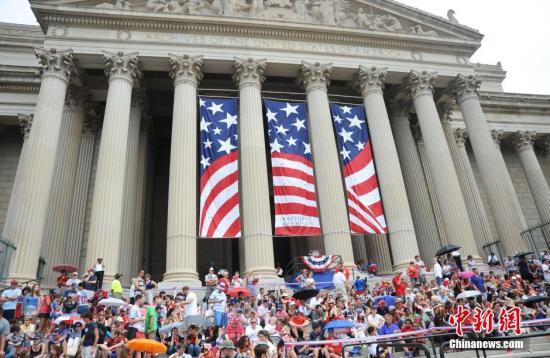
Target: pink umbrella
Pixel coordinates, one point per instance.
(466, 274)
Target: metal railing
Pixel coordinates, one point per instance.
(6, 252)
(537, 238)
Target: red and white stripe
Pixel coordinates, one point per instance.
(219, 199)
(294, 195)
(364, 203)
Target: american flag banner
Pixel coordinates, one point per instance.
(219, 174)
(296, 212)
(365, 210)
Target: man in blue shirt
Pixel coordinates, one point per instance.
(479, 283)
(360, 284)
(9, 300)
(388, 327)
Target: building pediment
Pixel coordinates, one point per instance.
(366, 17)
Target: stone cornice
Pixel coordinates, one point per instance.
(51, 15)
(20, 87)
(514, 103)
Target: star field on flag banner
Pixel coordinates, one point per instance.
(296, 212)
(219, 173)
(366, 214)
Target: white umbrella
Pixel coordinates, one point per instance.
(69, 319)
(468, 294)
(169, 327)
(111, 301)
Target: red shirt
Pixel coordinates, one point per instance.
(413, 271)
(234, 331)
(399, 287)
(336, 347)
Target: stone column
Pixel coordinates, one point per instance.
(379, 251)
(494, 174)
(392, 186)
(36, 180)
(55, 237)
(140, 212)
(478, 216)
(80, 195)
(181, 249)
(523, 143)
(128, 249)
(428, 174)
(25, 121)
(415, 182)
(328, 175)
(105, 235)
(255, 206)
(447, 187)
(359, 247)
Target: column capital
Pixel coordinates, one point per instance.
(56, 63)
(120, 65)
(497, 136)
(542, 145)
(415, 130)
(185, 69)
(249, 71)
(75, 98)
(25, 121)
(315, 75)
(90, 125)
(399, 107)
(420, 83)
(445, 110)
(524, 140)
(461, 134)
(371, 79)
(463, 87)
(140, 99)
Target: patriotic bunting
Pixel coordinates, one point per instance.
(366, 214)
(219, 174)
(296, 212)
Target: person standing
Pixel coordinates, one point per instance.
(422, 266)
(90, 336)
(137, 286)
(211, 281)
(190, 304)
(438, 272)
(99, 271)
(219, 301)
(413, 271)
(339, 281)
(9, 297)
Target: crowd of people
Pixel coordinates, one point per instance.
(240, 317)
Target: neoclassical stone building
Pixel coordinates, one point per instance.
(99, 131)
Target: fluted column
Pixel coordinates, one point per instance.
(140, 212)
(478, 216)
(392, 186)
(415, 182)
(181, 249)
(494, 174)
(378, 251)
(328, 175)
(256, 221)
(57, 220)
(25, 121)
(80, 195)
(128, 248)
(523, 143)
(359, 247)
(447, 187)
(36, 179)
(105, 236)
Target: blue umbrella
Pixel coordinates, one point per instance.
(340, 323)
(390, 300)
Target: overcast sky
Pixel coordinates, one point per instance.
(516, 33)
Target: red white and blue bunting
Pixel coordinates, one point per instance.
(318, 263)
